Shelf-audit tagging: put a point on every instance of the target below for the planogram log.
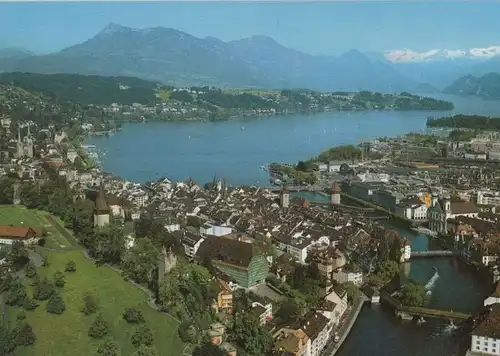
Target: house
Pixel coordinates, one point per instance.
(239, 260)
(292, 342)
(11, 234)
(485, 335)
(342, 275)
(318, 328)
(335, 304)
(191, 243)
(224, 298)
(494, 298)
(263, 311)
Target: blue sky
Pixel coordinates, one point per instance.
(317, 28)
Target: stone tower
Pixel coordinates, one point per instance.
(101, 209)
(19, 143)
(335, 197)
(285, 198)
(28, 145)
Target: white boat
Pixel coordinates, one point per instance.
(421, 321)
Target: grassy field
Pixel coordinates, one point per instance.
(17, 215)
(66, 334)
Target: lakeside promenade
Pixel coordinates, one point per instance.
(345, 329)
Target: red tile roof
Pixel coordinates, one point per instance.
(18, 232)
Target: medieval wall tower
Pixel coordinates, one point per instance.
(101, 209)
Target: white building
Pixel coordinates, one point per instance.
(191, 244)
(494, 298)
(318, 328)
(215, 230)
(485, 338)
(337, 296)
(342, 276)
(412, 209)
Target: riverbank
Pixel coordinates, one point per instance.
(349, 323)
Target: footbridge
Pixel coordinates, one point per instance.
(405, 312)
(436, 253)
(299, 188)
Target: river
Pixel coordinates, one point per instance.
(236, 149)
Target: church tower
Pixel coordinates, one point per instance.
(28, 147)
(101, 209)
(335, 197)
(19, 143)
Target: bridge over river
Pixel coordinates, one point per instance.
(436, 253)
(409, 312)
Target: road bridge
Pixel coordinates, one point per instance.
(299, 188)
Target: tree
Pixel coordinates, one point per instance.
(90, 304)
(17, 293)
(413, 294)
(30, 269)
(99, 327)
(56, 304)
(208, 349)
(107, 243)
(70, 266)
(352, 290)
(7, 341)
(187, 332)
(109, 348)
(24, 334)
(133, 316)
(43, 290)
(144, 350)
(142, 336)
(140, 260)
(59, 279)
(249, 335)
(395, 253)
(21, 316)
(386, 270)
(30, 304)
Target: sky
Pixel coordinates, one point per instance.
(314, 27)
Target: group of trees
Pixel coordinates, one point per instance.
(460, 121)
(188, 292)
(20, 335)
(142, 338)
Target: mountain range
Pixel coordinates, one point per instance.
(180, 59)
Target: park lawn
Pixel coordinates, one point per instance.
(19, 215)
(66, 334)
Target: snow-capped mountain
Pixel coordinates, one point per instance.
(408, 55)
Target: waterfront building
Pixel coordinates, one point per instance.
(101, 209)
(485, 336)
(444, 209)
(412, 209)
(335, 197)
(318, 328)
(239, 260)
(494, 298)
(335, 304)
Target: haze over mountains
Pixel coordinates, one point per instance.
(177, 58)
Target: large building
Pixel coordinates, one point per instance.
(239, 260)
(485, 336)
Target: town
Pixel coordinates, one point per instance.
(229, 270)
